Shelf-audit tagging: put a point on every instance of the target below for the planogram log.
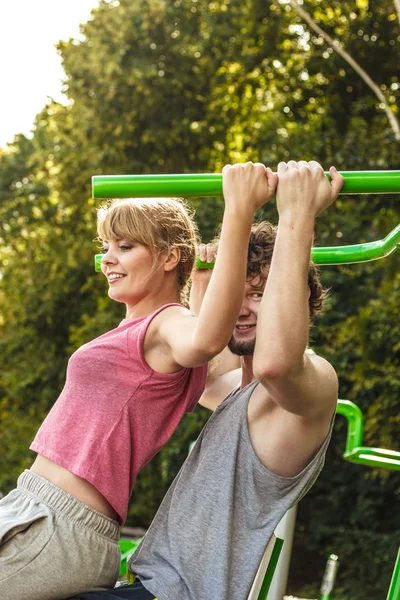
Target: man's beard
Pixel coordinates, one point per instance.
(241, 348)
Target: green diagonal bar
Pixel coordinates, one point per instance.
(339, 255)
(394, 590)
(334, 255)
(273, 561)
(210, 184)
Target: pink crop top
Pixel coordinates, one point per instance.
(115, 413)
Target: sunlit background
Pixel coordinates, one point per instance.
(30, 68)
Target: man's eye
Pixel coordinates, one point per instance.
(257, 295)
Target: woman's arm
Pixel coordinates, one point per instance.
(194, 340)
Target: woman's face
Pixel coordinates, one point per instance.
(129, 269)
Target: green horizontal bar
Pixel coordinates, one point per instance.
(374, 457)
(210, 184)
(330, 255)
(355, 452)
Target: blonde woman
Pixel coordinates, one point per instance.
(125, 391)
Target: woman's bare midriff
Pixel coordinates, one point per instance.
(72, 484)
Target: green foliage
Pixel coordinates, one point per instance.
(186, 86)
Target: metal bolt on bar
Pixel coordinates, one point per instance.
(210, 184)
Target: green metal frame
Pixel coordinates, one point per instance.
(273, 561)
(334, 255)
(210, 184)
(340, 255)
(394, 589)
(127, 547)
(355, 452)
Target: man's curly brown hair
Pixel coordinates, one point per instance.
(259, 256)
(261, 246)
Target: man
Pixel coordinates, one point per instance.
(264, 446)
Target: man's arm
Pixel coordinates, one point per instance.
(297, 382)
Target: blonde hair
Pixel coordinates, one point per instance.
(158, 223)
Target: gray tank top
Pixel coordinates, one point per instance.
(210, 532)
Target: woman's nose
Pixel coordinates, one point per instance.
(108, 258)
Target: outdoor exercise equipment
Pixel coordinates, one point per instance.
(355, 452)
(208, 184)
(394, 589)
(330, 255)
(371, 457)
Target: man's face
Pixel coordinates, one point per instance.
(243, 339)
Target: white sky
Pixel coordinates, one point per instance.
(30, 68)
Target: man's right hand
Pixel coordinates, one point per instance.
(206, 253)
(201, 277)
(304, 190)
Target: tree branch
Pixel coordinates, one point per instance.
(397, 5)
(337, 47)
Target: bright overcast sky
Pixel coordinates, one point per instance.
(30, 68)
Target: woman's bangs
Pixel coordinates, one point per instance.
(124, 223)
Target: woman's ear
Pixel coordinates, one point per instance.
(173, 258)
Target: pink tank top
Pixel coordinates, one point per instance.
(115, 413)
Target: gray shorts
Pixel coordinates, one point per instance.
(53, 546)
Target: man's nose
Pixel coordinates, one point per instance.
(244, 309)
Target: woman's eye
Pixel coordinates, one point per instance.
(125, 247)
(103, 250)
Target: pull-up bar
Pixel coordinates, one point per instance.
(210, 184)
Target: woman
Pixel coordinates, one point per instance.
(125, 391)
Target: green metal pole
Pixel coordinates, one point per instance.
(339, 255)
(210, 184)
(273, 561)
(394, 589)
(354, 417)
(334, 255)
(357, 453)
